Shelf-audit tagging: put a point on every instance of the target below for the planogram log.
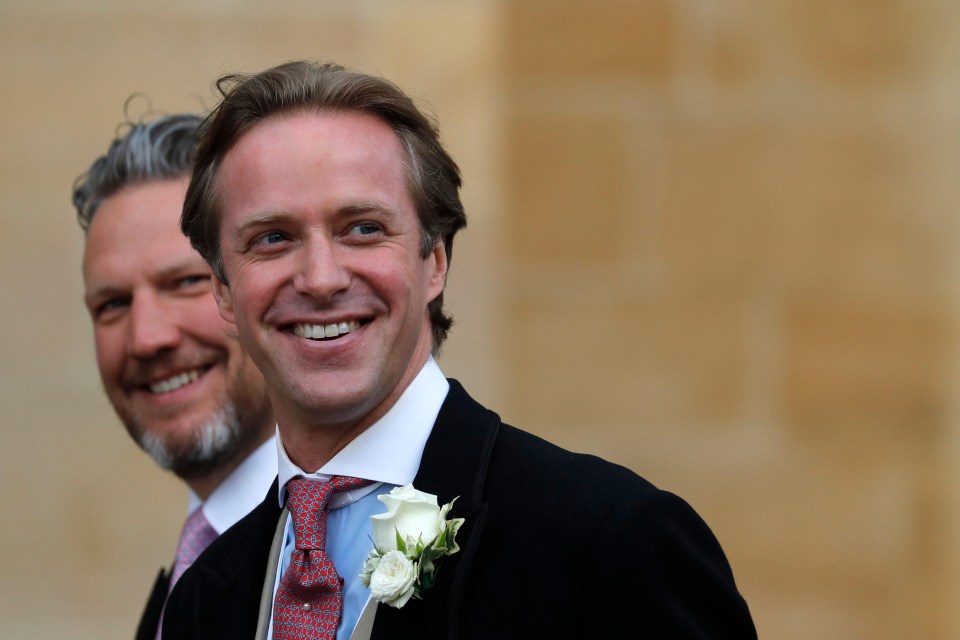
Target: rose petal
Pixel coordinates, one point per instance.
(415, 519)
(393, 581)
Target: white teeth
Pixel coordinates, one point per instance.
(174, 382)
(319, 331)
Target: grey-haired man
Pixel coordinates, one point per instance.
(186, 391)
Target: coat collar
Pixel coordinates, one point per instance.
(233, 568)
(455, 463)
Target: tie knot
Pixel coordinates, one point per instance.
(308, 501)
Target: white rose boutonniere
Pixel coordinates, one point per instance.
(408, 542)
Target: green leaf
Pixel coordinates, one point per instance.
(426, 581)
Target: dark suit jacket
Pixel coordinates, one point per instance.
(150, 620)
(555, 545)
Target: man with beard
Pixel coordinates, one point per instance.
(186, 391)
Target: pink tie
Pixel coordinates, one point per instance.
(309, 601)
(194, 538)
(196, 535)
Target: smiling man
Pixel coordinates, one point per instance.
(327, 207)
(180, 382)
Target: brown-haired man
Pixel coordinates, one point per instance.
(327, 207)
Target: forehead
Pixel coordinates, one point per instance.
(313, 155)
(136, 230)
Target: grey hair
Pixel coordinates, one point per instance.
(161, 149)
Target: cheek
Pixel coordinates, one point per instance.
(245, 301)
(398, 288)
(254, 292)
(202, 319)
(109, 347)
(239, 362)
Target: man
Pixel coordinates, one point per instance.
(180, 382)
(327, 207)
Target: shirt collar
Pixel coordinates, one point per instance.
(238, 494)
(389, 451)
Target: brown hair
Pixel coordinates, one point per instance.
(433, 177)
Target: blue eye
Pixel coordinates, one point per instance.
(274, 237)
(110, 308)
(192, 280)
(114, 303)
(365, 229)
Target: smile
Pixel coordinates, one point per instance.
(175, 382)
(325, 331)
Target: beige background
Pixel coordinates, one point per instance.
(716, 242)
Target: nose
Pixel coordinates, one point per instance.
(152, 328)
(320, 270)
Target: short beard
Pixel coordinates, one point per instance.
(212, 445)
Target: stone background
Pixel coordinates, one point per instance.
(716, 242)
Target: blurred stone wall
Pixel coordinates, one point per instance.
(714, 242)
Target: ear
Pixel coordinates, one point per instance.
(224, 298)
(438, 270)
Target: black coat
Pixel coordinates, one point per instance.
(150, 619)
(555, 545)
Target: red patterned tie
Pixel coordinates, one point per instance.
(309, 601)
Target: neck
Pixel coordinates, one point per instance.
(206, 483)
(312, 439)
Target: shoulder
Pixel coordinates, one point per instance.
(598, 533)
(513, 464)
(525, 463)
(250, 533)
(218, 596)
(595, 499)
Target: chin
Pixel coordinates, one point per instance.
(210, 445)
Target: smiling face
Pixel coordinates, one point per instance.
(326, 282)
(183, 387)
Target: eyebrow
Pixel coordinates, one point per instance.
(260, 220)
(90, 298)
(184, 266)
(110, 290)
(352, 208)
(361, 207)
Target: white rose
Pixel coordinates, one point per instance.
(392, 582)
(413, 514)
(369, 565)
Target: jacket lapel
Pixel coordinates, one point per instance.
(454, 465)
(236, 573)
(150, 620)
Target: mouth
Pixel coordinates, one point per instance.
(174, 382)
(325, 331)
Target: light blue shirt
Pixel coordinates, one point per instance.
(388, 453)
(348, 552)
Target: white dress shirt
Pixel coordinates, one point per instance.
(388, 453)
(240, 491)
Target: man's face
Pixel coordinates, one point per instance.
(183, 387)
(326, 282)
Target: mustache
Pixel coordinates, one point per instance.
(139, 373)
